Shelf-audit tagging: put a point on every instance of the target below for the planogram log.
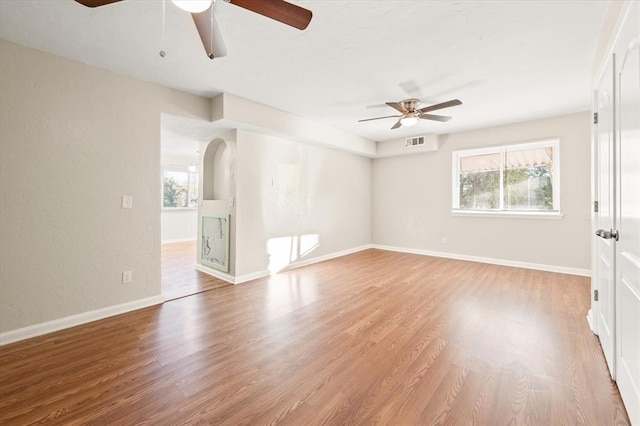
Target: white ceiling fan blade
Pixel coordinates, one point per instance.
(379, 118)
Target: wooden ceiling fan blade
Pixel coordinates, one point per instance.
(442, 105)
(96, 3)
(279, 10)
(397, 106)
(379, 118)
(398, 124)
(434, 117)
(209, 34)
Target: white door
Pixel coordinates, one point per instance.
(628, 221)
(605, 314)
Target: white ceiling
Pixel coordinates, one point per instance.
(506, 60)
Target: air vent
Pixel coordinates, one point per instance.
(415, 141)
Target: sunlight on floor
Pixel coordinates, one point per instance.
(285, 250)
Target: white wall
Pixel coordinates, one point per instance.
(178, 224)
(292, 195)
(412, 200)
(73, 140)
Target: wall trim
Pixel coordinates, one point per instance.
(215, 273)
(178, 240)
(77, 319)
(492, 261)
(265, 273)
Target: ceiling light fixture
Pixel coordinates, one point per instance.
(409, 119)
(193, 6)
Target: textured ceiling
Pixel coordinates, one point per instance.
(507, 61)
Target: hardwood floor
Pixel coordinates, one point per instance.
(179, 276)
(371, 338)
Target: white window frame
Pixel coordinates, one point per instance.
(555, 213)
(181, 169)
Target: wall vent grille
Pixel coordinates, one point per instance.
(415, 141)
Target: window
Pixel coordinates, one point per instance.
(179, 188)
(513, 179)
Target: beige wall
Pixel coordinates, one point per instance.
(73, 140)
(412, 200)
(288, 192)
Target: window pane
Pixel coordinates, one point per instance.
(193, 190)
(519, 177)
(175, 189)
(480, 182)
(527, 179)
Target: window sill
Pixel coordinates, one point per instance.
(178, 209)
(507, 214)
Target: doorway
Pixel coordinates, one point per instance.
(180, 143)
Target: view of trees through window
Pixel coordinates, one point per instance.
(180, 189)
(506, 179)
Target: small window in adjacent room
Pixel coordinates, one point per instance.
(510, 180)
(179, 188)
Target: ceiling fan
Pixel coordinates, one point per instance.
(411, 113)
(279, 10)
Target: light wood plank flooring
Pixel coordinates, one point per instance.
(179, 276)
(371, 338)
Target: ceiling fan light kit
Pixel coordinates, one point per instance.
(411, 114)
(409, 120)
(193, 6)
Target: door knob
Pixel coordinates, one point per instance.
(607, 235)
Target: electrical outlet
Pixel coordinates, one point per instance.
(444, 240)
(127, 276)
(127, 201)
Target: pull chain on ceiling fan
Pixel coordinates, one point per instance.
(411, 113)
(278, 10)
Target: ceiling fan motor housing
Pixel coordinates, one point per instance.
(410, 104)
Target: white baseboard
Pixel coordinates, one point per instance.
(253, 276)
(215, 273)
(265, 273)
(78, 319)
(178, 240)
(492, 261)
